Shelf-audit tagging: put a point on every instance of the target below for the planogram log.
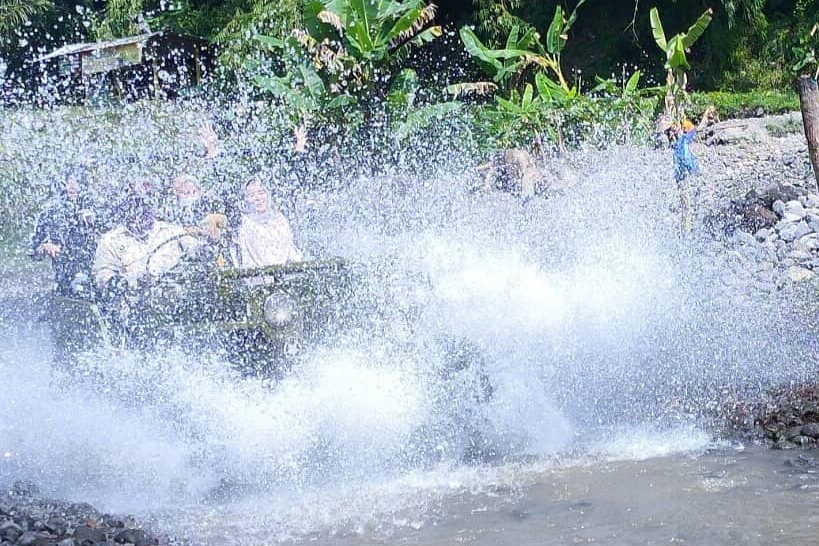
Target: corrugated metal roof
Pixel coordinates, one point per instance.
(73, 49)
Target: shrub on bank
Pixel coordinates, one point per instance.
(744, 105)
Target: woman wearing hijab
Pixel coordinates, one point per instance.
(264, 236)
(66, 232)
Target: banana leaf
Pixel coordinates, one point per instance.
(482, 54)
(423, 117)
(632, 83)
(675, 54)
(697, 28)
(657, 29)
(553, 34)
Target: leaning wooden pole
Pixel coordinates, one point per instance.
(809, 104)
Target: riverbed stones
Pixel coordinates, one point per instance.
(85, 533)
(737, 131)
(785, 417)
(137, 537)
(30, 520)
(810, 429)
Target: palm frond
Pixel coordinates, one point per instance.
(424, 18)
(14, 13)
(332, 19)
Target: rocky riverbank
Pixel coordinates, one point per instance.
(760, 197)
(27, 519)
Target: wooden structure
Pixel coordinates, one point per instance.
(809, 104)
(155, 64)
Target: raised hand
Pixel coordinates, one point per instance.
(300, 134)
(50, 249)
(207, 134)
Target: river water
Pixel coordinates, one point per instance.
(610, 339)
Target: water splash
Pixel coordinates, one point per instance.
(595, 317)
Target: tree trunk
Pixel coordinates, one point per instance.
(809, 104)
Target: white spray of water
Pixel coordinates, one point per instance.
(597, 322)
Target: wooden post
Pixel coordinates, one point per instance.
(197, 63)
(809, 104)
(155, 70)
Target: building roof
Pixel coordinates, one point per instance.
(73, 49)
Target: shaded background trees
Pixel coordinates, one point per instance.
(748, 46)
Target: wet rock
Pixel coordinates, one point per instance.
(736, 132)
(810, 201)
(744, 238)
(799, 274)
(793, 432)
(795, 210)
(92, 535)
(25, 488)
(782, 192)
(113, 521)
(56, 526)
(810, 241)
(811, 430)
(762, 234)
(81, 510)
(28, 538)
(800, 255)
(10, 531)
(138, 537)
(792, 231)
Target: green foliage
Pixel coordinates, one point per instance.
(313, 80)
(119, 20)
(675, 47)
(524, 49)
(738, 105)
(15, 13)
(346, 57)
(676, 60)
(547, 108)
(495, 19)
(247, 19)
(376, 33)
(805, 54)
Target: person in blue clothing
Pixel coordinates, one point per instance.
(685, 162)
(680, 138)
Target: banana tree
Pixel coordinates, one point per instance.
(524, 49)
(676, 61)
(348, 51)
(375, 34)
(523, 106)
(305, 86)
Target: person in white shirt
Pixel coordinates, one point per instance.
(140, 248)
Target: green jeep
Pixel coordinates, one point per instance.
(259, 319)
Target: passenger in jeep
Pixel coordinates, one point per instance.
(140, 248)
(264, 236)
(66, 232)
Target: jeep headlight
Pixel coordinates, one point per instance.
(279, 309)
